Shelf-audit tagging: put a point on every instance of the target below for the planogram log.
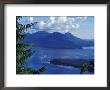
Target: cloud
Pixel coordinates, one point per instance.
(52, 19)
(31, 19)
(60, 24)
(62, 19)
(81, 18)
(77, 26)
(41, 24)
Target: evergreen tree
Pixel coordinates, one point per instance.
(84, 68)
(23, 51)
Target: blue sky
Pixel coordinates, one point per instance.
(80, 26)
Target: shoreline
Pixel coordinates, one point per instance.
(77, 63)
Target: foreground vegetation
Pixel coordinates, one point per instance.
(23, 51)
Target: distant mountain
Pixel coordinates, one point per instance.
(79, 41)
(57, 40)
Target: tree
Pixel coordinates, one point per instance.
(23, 51)
(84, 68)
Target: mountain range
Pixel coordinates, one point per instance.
(57, 40)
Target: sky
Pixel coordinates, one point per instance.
(80, 26)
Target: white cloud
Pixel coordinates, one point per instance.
(85, 18)
(62, 19)
(52, 19)
(77, 26)
(60, 24)
(81, 18)
(73, 26)
(41, 24)
(31, 19)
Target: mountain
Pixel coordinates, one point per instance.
(56, 40)
(79, 41)
(32, 38)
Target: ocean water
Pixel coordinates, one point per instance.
(42, 56)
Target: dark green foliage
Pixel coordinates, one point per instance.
(92, 63)
(23, 51)
(84, 68)
(29, 25)
(42, 69)
(24, 70)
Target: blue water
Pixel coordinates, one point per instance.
(42, 56)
